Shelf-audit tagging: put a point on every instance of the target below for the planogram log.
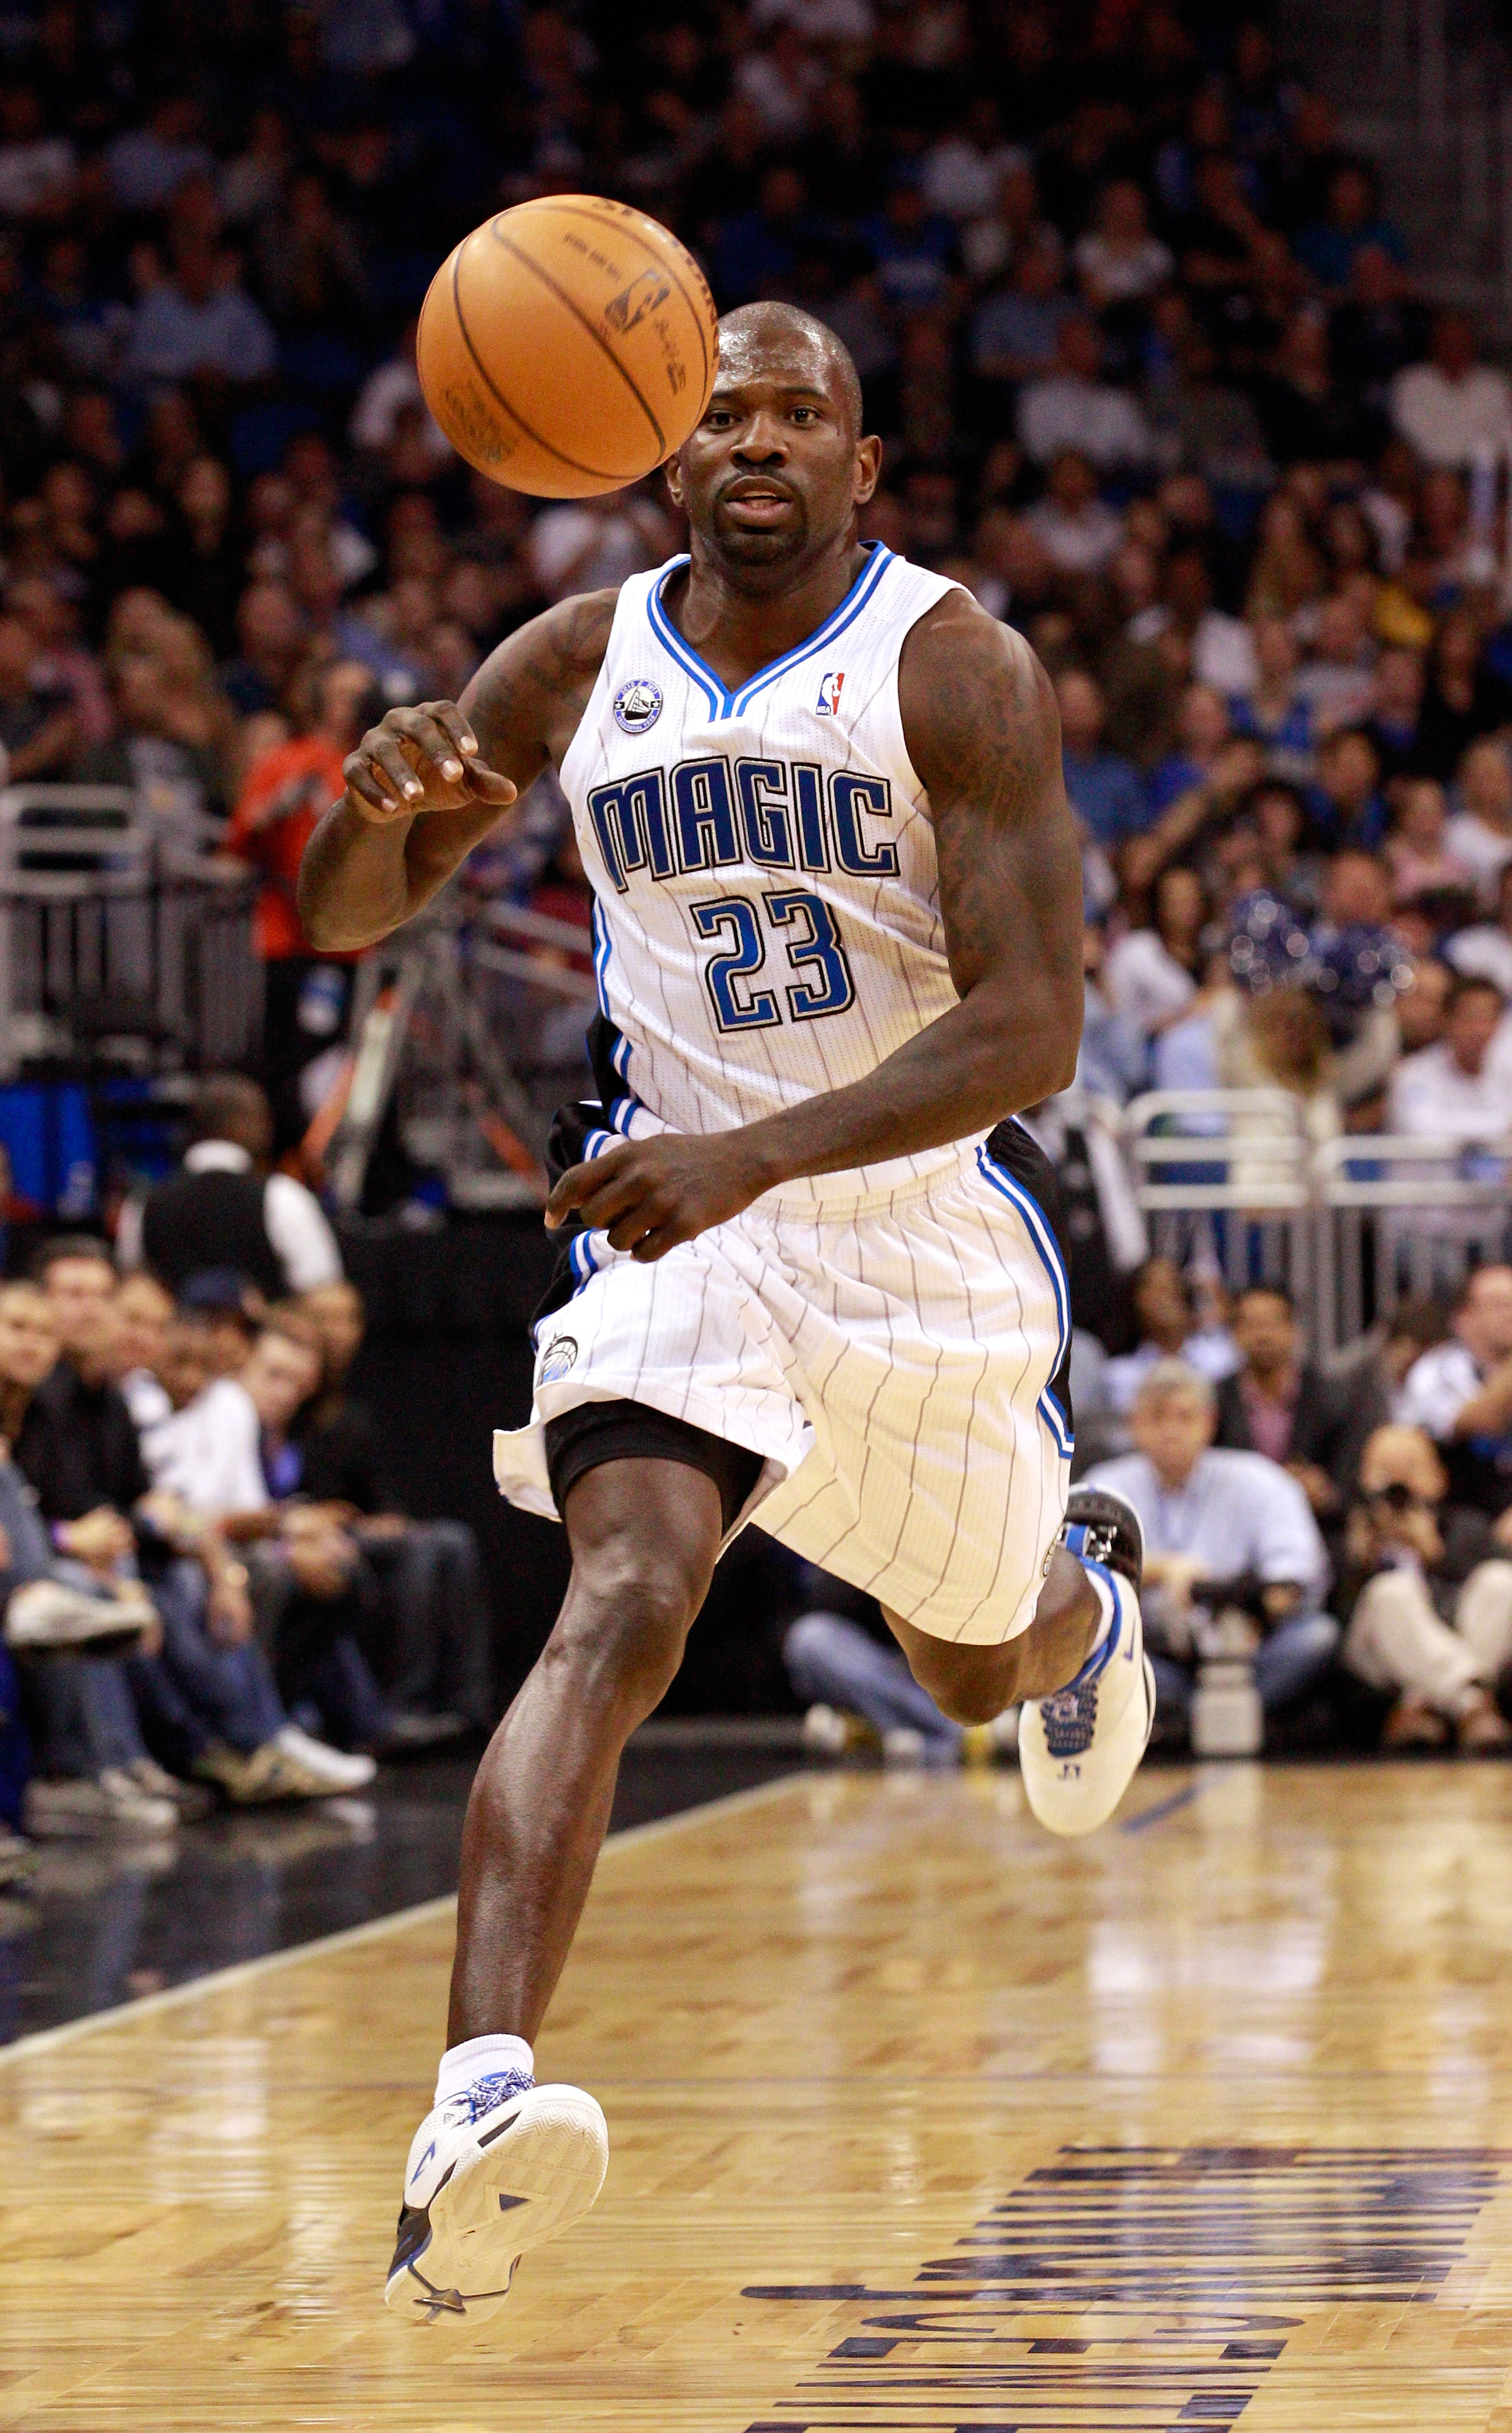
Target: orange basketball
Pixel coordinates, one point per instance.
(566, 347)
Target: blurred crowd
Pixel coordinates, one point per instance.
(1158, 382)
(211, 1591)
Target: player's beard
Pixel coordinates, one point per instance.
(739, 547)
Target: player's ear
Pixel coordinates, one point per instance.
(868, 470)
(674, 472)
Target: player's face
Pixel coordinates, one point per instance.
(774, 473)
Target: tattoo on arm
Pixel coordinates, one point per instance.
(983, 734)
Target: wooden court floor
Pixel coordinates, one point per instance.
(921, 2121)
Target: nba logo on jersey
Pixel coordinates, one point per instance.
(829, 702)
(638, 706)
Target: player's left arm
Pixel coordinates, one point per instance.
(980, 721)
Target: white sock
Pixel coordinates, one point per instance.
(482, 2057)
(1105, 1613)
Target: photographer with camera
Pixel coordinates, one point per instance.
(1228, 1536)
(1431, 1617)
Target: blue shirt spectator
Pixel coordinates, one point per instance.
(199, 321)
(914, 250)
(1106, 792)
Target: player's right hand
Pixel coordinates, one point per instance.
(421, 760)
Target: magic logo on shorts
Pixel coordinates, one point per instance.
(558, 1359)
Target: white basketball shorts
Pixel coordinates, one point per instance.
(897, 1363)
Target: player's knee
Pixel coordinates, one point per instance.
(626, 1623)
(970, 1685)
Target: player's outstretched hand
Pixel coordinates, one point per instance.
(651, 1194)
(424, 759)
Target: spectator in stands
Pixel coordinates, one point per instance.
(224, 1209)
(208, 1701)
(1429, 1600)
(1453, 409)
(1169, 1328)
(39, 725)
(1459, 1090)
(439, 1669)
(1460, 1392)
(1483, 951)
(1221, 1528)
(1282, 1405)
(1480, 833)
(196, 319)
(315, 1594)
(1152, 975)
(92, 1773)
(1105, 790)
(1074, 409)
(1016, 336)
(285, 795)
(1416, 849)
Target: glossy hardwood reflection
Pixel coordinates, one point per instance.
(921, 2120)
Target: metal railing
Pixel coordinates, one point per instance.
(118, 942)
(1348, 1226)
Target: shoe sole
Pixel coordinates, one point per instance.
(523, 2180)
(1078, 1816)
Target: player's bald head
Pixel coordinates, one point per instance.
(771, 341)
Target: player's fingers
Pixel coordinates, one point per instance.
(490, 783)
(656, 1244)
(364, 781)
(630, 1228)
(390, 760)
(573, 1187)
(432, 740)
(446, 714)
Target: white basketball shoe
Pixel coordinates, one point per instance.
(1080, 1750)
(493, 2171)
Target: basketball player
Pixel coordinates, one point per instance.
(838, 930)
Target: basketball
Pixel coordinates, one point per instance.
(566, 347)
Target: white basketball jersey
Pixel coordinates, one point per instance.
(766, 918)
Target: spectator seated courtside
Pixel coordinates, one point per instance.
(1222, 1529)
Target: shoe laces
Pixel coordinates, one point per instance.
(1070, 1719)
(474, 2102)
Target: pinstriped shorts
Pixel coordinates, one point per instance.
(897, 1363)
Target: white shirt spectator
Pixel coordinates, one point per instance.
(1237, 1512)
(1079, 543)
(1122, 275)
(1210, 1352)
(1143, 982)
(1433, 1097)
(1483, 953)
(1436, 1388)
(963, 181)
(1452, 421)
(1484, 850)
(1223, 655)
(296, 1228)
(144, 1398)
(577, 549)
(1098, 421)
(384, 395)
(207, 1453)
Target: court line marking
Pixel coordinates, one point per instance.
(1160, 1809)
(242, 1972)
